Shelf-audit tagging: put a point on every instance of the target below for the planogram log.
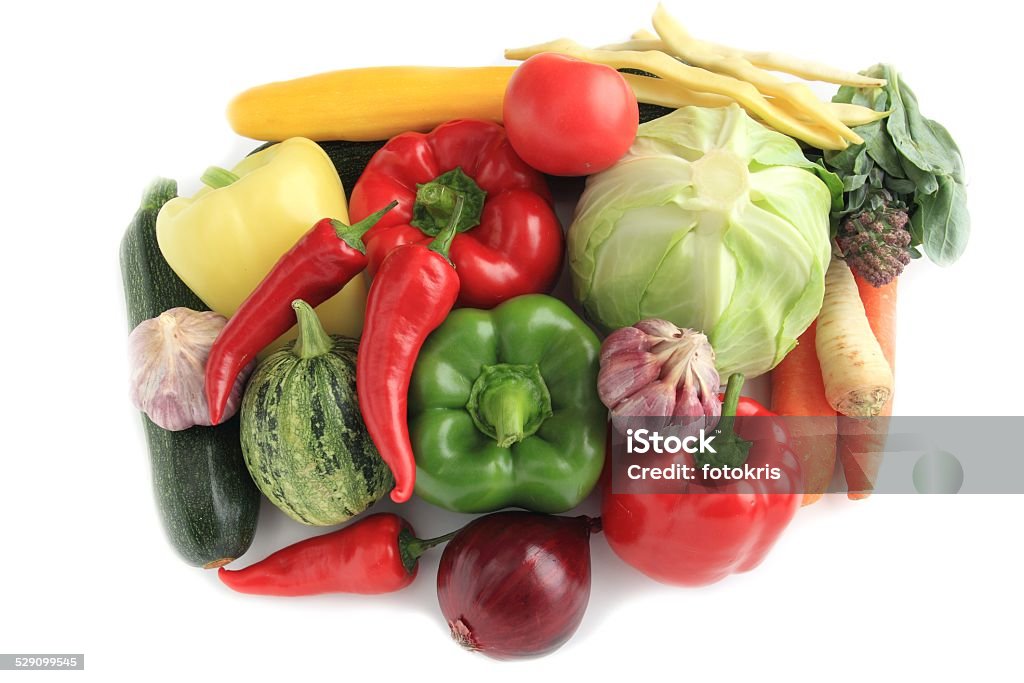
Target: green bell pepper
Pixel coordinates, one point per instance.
(503, 409)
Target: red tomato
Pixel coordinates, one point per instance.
(567, 117)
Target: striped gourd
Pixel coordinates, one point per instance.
(303, 437)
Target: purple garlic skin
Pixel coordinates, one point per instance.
(167, 357)
(656, 369)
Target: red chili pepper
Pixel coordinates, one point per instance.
(714, 528)
(377, 554)
(509, 241)
(316, 268)
(412, 294)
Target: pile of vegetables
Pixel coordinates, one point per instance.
(361, 307)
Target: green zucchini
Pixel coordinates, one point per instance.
(207, 502)
(302, 434)
(649, 112)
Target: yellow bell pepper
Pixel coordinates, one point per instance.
(223, 240)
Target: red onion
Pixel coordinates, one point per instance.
(516, 584)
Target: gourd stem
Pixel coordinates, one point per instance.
(313, 341)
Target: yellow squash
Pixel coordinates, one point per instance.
(373, 103)
(223, 240)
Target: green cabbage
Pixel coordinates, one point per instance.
(711, 221)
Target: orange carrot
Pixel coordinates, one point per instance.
(798, 391)
(861, 443)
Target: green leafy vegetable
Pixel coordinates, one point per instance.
(906, 159)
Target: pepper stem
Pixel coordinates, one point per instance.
(731, 402)
(443, 242)
(216, 177)
(352, 235)
(731, 449)
(510, 409)
(313, 341)
(411, 548)
(435, 202)
(509, 402)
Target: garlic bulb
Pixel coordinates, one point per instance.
(655, 369)
(167, 355)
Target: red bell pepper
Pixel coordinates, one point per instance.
(509, 241)
(713, 528)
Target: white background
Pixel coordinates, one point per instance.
(100, 98)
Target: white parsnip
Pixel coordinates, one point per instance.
(858, 379)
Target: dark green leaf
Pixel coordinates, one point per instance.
(944, 222)
(924, 182)
(875, 201)
(943, 136)
(916, 231)
(852, 182)
(914, 137)
(876, 177)
(832, 182)
(845, 94)
(880, 148)
(845, 161)
(855, 200)
(863, 164)
(899, 185)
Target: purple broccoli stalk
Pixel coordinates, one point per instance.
(875, 241)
